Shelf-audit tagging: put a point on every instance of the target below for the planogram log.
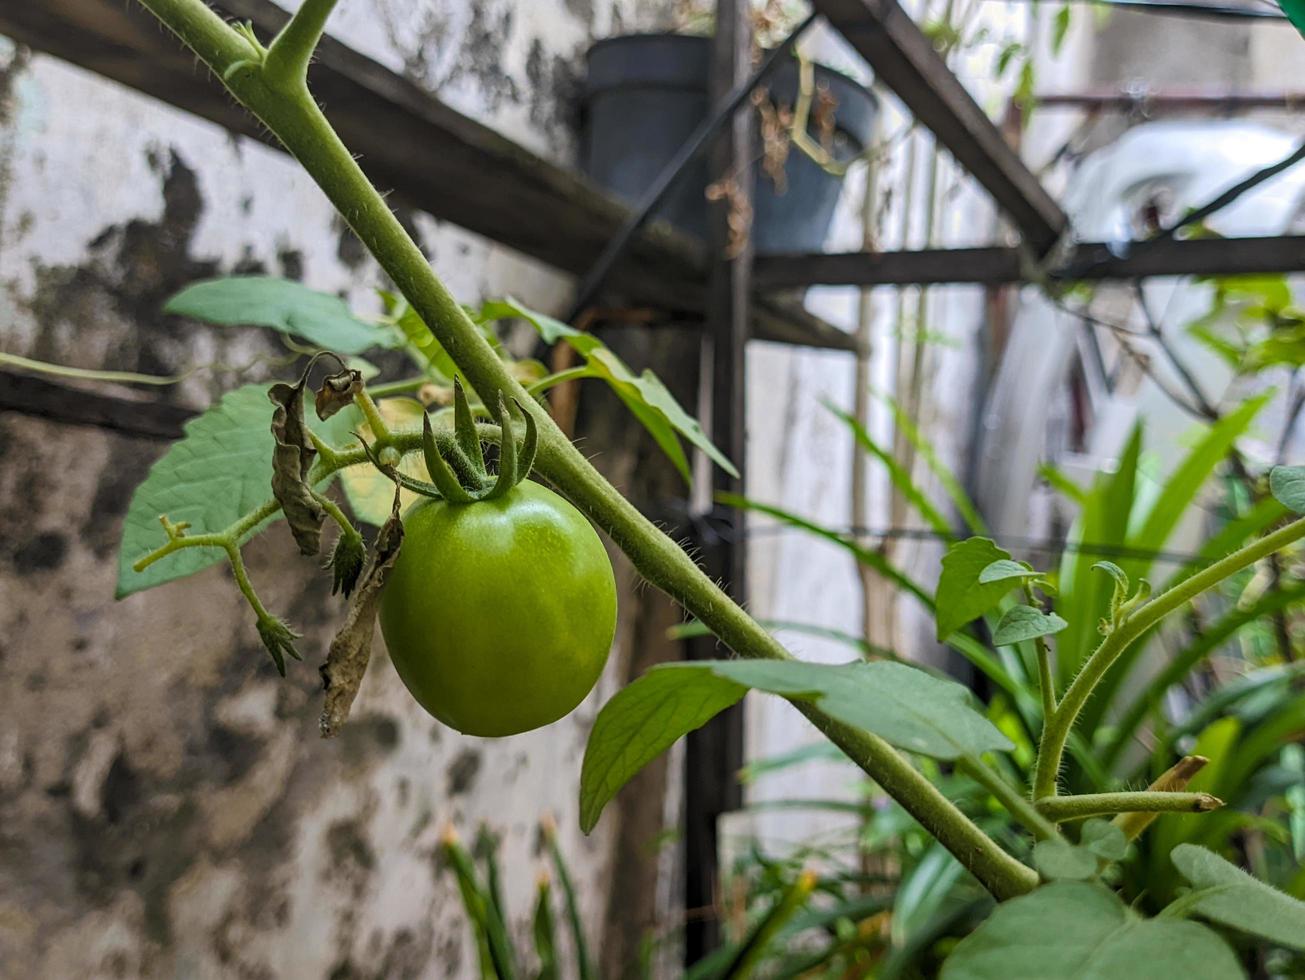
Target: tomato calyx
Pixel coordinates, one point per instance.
(456, 462)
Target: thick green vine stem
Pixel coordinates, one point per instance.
(295, 119)
(1132, 624)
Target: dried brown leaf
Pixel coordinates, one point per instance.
(346, 660)
(291, 461)
(336, 392)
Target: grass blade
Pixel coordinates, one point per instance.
(584, 966)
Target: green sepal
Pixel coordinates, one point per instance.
(529, 445)
(440, 471)
(464, 430)
(279, 639)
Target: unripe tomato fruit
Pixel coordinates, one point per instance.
(499, 614)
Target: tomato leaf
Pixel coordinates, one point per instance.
(1228, 895)
(1059, 860)
(220, 470)
(1078, 930)
(1022, 623)
(640, 722)
(650, 401)
(903, 705)
(283, 305)
(1288, 486)
(1060, 28)
(961, 596)
(1004, 569)
(1104, 839)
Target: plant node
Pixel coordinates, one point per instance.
(457, 463)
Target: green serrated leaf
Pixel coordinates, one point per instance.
(640, 722)
(1004, 569)
(961, 597)
(1288, 486)
(550, 328)
(901, 704)
(1022, 623)
(217, 472)
(1005, 56)
(1228, 895)
(1078, 930)
(280, 304)
(904, 705)
(1059, 860)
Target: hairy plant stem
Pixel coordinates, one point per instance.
(1056, 729)
(375, 421)
(295, 119)
(1009, 797)
(1060, 808)
(336, 514)
(242, 582)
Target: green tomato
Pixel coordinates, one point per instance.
(499, 614)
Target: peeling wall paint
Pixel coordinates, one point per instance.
(166, 808)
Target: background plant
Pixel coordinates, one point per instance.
(1245, 718)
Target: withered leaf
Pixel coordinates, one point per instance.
(346, 661)
(336, 392)
(291, 461)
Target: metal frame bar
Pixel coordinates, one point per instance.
(714, 753)
(995, 265)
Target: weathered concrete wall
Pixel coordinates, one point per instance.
(166, 808)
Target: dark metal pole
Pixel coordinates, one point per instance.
(714, 753)
(594, 279)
